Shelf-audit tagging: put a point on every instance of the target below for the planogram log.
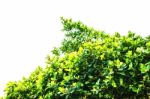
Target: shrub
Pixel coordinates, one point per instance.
(90, 64)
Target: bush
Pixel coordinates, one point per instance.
(90, 64)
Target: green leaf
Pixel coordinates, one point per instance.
(144, 68)
(130, 66)
(121, 81)
(113, 83)
(148, 44)
(61, 89)
(129, 54)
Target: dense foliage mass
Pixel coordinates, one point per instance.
(89, 64)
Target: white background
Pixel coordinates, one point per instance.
(29, 29)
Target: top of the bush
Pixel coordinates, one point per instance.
(90, 64)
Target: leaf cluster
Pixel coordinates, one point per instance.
(90, 64)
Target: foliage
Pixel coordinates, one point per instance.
(89, 64)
